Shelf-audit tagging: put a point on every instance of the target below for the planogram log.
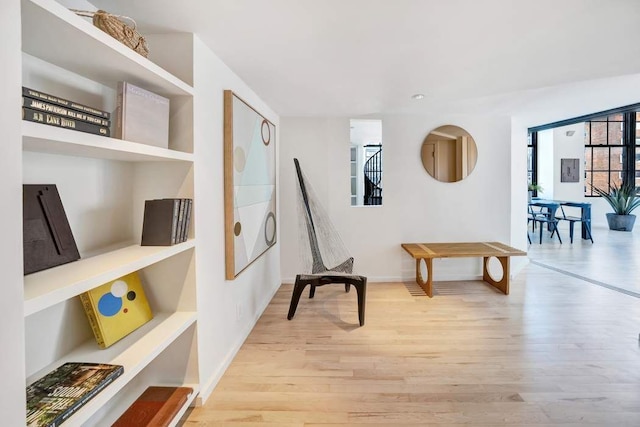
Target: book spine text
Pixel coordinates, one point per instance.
(64, 102)
(37, 104)
(63, 122)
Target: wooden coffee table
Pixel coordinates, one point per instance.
(429, 251)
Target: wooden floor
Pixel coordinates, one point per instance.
(557, 351)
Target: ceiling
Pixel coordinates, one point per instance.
(360, 57)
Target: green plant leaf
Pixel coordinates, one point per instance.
(622, 199)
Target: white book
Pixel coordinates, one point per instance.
(142, 116)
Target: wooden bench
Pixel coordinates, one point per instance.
(429, 251)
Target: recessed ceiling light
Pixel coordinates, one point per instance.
(417, 96)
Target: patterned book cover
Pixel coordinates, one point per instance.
(55, 397)
(116, 309)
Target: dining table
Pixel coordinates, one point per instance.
(552, 206)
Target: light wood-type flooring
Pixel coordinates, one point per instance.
(558, 350)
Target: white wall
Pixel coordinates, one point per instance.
(546, 174)
(221, 331)
(568, 147)
(416, 207)
(12, 365)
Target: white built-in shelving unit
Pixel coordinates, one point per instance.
(103, 183)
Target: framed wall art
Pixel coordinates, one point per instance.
(569, 170)
(249, 184)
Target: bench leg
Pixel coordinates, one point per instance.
(428, 285)
(502, 285)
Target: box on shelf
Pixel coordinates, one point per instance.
(47, 237)
(142, 116)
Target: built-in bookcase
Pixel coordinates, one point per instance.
(103, 183)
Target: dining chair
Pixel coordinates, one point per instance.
(545, 217)
(572, 220)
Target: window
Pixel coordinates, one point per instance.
(531, 159)
(604, 152)
(611, 144)
(365, 157)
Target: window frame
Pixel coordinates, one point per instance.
(629, 142)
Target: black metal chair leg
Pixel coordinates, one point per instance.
(571, 230)
(361, 289)
(588, 228)
(555, 228)
(360, 283)
(298, 288)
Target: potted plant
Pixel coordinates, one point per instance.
(534, 187)
(623, 200)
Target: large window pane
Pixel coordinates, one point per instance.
(598, 133)
(601, 180)
(616, 159)
(615, 133)
(600, 161)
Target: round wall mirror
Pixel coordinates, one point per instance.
(449, 153)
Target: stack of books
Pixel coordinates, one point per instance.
(166, 221)
(51, 110)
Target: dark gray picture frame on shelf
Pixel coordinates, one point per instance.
(569, 170)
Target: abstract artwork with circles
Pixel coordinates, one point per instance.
(249, 184)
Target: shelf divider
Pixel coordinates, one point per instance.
(41, 138)
(52, 286)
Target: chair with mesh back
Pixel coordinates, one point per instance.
(320, 247)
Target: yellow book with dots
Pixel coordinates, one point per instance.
(116, 309)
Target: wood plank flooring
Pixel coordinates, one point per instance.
(556, 351)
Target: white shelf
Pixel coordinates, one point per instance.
(53, 140)
(134, 352)
(49, 287)
(55, 34)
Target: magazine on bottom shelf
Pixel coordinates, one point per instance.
(52, 399)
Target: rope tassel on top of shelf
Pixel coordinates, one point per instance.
(119, 30)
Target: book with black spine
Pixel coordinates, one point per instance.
(180, 228)
(63, 122)
(54, 398)
(187, 220)
(31, 93)
(160, 222)
(37, 104)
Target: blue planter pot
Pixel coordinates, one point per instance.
(620, 222)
